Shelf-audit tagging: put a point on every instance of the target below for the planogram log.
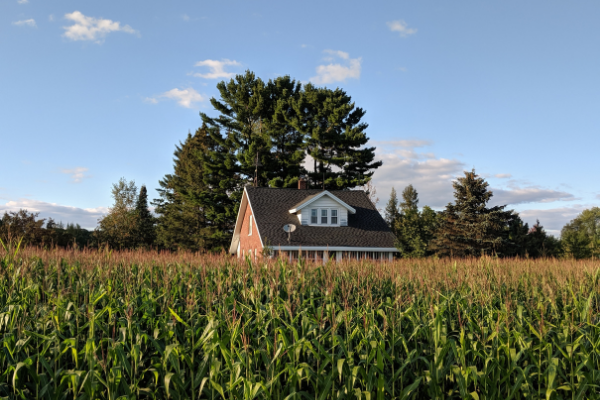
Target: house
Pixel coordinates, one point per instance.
(336, 224)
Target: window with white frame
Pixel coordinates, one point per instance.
(324, 219)
(250, 226)
(334, 218)
(323, 216)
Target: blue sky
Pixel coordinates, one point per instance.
(93, 91)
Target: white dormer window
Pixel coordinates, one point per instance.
(324, 216)
(314, 219)
(250, 227)
(334, 220)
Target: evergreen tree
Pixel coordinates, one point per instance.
(540, 244)
(391, 213)
(334, 137)
(469, 227)
(146, 234)
(517, 238)
(412, 228)
(253, 125)
(182, 221)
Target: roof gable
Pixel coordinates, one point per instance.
(312, 198)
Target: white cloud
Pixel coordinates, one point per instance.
(404, 165)
(51, 17)
(503, 176)
(185, 17)
(401, 27)
(86, 217)
(77, 173)
(184, 97)
(90, 28)
(553, 219)
(338, 72)
(217, 68)
(22, 1)
(530, 194)
(26, 22)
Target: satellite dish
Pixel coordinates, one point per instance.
(289, 228)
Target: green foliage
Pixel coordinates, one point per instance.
(261, 136)
(145, 230)
(468, 227)
(98, 327)
(118, 229)
(581, 237)
(334, 137)
(26, 226)
(391, 213)
(21, 225)
(182, 221)
(414, 229)
(540, 244)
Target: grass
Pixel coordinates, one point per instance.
(127, 325)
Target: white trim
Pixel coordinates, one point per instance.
(317, 197)
(239, 221)
(255, 223)
(319, 216)
(336, 248)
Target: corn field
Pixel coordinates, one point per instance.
(82, 324)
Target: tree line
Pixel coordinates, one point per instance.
(264, 133)
(470, 227)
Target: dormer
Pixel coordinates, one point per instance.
(322, 209)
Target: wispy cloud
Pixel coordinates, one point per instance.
(401, 27)
(184, 97)
(22, 1)
(216, 69)
(503, 176)
(553, 219)
(26, 22)
(530, 194)
(185, 17)
(94, 29)
(348, 68)
(77, 173)
(86, 217)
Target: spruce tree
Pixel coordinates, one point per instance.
(468, 227)
(410, 233)
(146, 234)
(391, 213)
(540, 244)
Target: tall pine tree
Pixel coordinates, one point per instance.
(335, 138)
(468, 227)
(413, 229)
(146, 234)
(391, 213)
(182, 221)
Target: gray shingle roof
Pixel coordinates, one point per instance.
(271, 208)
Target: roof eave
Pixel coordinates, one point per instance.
(322, 194)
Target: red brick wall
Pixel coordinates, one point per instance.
(251, 242)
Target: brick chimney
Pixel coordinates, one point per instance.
(301, 184)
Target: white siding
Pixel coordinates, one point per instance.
(324, 202)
